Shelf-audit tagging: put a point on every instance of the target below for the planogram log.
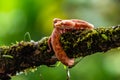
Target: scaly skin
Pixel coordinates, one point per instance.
(60, 27)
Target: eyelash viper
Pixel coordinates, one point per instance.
(60, 27)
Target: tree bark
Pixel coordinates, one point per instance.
(76, 43)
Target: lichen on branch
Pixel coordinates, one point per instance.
(76, 43)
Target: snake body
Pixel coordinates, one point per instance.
(60, 27)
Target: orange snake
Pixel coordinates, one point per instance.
(60, 27)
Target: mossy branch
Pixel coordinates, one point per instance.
(23, 55)
(87, 42)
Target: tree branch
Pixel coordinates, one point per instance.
(87, 42)
(80, 43)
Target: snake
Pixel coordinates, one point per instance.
(60, 27)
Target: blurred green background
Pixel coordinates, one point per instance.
(36, 17)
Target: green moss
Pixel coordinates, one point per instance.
(104, 36)
(86, 42)
(7, 56)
